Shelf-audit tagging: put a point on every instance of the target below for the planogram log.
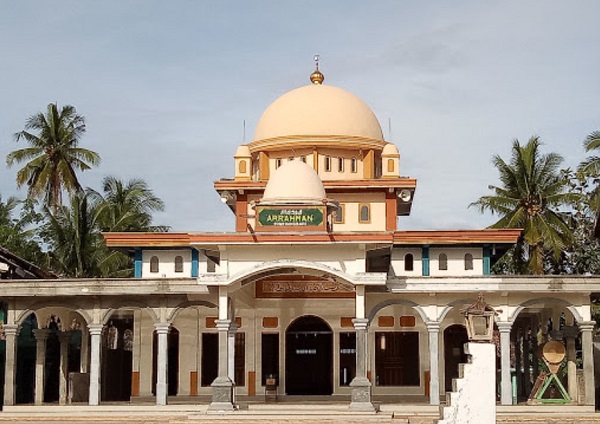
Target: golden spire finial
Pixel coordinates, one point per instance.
(317, 77)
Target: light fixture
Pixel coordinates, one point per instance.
(479, 320)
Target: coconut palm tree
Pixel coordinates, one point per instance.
(53, 155)
(531, 190)
(591, 165)
(72, 235)
(128, 206)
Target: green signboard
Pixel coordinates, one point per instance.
(293, 217)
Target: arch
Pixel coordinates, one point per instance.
(292, 266)
(405, 302)
(43, 305)
(468, 262)
(154, 264)
(552, 300)
(178, 263)
(443, 262)
(309, 356)
(409, 262)
(390, 165)
(182, 306)
(129, 304)
(452, 305)
(242, 167)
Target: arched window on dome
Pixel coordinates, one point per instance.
(364, 213)
(178, 264)
(340, 165)
(468, 262)
(409, 262)
(390, 165)
(353, 166)
(327, 163)
(443, 262)
(154, 264)
(242, 167)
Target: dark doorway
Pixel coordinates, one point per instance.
(26, 348)
(172, 361)
(117, 355)
(455, 338)
(210, 358)
(52, 368)
(309, 357)
(397, 358)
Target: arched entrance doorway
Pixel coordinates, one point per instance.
(455, 338)
(309, 357)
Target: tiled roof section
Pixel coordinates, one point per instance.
(135, 239)
(20, 268)
(167, 240)
(457, 236)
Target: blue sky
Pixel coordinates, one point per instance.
(165, 86)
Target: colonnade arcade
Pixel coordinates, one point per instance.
(227, 343)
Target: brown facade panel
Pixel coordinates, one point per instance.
(270, 322)
(407, 321)
(386, 321)
(346, 322)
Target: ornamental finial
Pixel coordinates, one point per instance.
(317, 77)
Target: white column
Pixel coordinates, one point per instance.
(65, 338)
(11, 332)
(162, 331)
(505, 376)
(587, 352)
(361, 386)
(41, 336)
(433, 328)
(95, 340)
(222, 387)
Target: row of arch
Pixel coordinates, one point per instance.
(371, 315)
(409, 260)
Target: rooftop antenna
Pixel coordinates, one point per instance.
(244, 137)
(389, 129)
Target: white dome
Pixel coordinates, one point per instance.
(294, 182)
(318, 110)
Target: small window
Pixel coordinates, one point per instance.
(443, 262)
(338, 216)
(178, 264)
(242, 167)
(468, 262)
(409, 262)
(154, 264)
(390, 165)
(340, 164)
(353, 166)
(277, 163)
(327, 163)
(364, 214)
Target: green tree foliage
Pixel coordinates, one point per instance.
(128, 206)
(531, 191)
(73, 231)
(53, 155)
(18, 234)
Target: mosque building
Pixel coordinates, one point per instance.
(318, 291)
